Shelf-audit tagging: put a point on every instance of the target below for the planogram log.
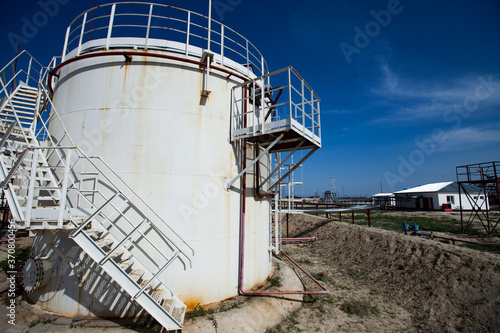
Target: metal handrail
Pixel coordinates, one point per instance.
(305, 112)
(28, 65)
(49, 115)
(478, 171)
(226, 39)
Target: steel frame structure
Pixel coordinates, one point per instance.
(485, 176)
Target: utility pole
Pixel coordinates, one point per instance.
(381, 181)
(334, 193)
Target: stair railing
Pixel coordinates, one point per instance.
(62, 159)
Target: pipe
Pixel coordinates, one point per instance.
(299, 239)
(5, 240)
(479, 236)
(257, 180)
(287, 227)
(243, 202)
(135, 53)
(289, 292)
(242, 249)
(453, 239)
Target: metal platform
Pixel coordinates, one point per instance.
(277, 103)
(293, 134)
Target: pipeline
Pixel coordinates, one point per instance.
(417, 232)
(289, 292)
(453, 240)
(242, 251)
(299, 239)
(257, 178)
(126, 54)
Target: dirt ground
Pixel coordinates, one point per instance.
(379, 281)
(384, 281)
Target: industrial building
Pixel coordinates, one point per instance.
(438, 196)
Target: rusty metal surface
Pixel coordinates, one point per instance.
(145, 117)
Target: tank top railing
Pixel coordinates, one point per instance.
(148, 26)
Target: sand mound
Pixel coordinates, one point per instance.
(446, 288)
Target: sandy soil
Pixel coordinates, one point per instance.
(383, 281)
(379, 281)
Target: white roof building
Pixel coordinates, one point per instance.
(441, 195)
(384, 199)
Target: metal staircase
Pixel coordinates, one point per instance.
(51, 184)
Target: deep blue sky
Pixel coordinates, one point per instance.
(417, 94)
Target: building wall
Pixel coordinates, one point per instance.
(466, 204)
(438, 199)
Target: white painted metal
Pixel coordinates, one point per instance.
(79, 50)
(290, 112)
(175, 154)
(135, 153)
(110, 26)
(152, 294)
(148, 29)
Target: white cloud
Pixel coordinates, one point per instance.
(417, 111)
(469, 137)
(430, 99)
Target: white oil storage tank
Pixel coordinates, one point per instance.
(160, 140)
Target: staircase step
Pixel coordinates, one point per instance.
(42, 179)
(136, 274)
(121, 264)
(45, 198)
(19, 108)
(105, 242)
(48, 188)
(175, 308)
(126, 264)
(25, 102)
(29, 92)
(95, 234)
(9, 112)
(21, 98)
(19, 115)
(24, 86)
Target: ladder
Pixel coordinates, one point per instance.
(51, 184)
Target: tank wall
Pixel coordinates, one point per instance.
(147, 120)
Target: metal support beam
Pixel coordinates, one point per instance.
(75, 232)
(64, 190)
(7, 134)
(281, 164)
(292, 169)
(14, 169)
(228, 185)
